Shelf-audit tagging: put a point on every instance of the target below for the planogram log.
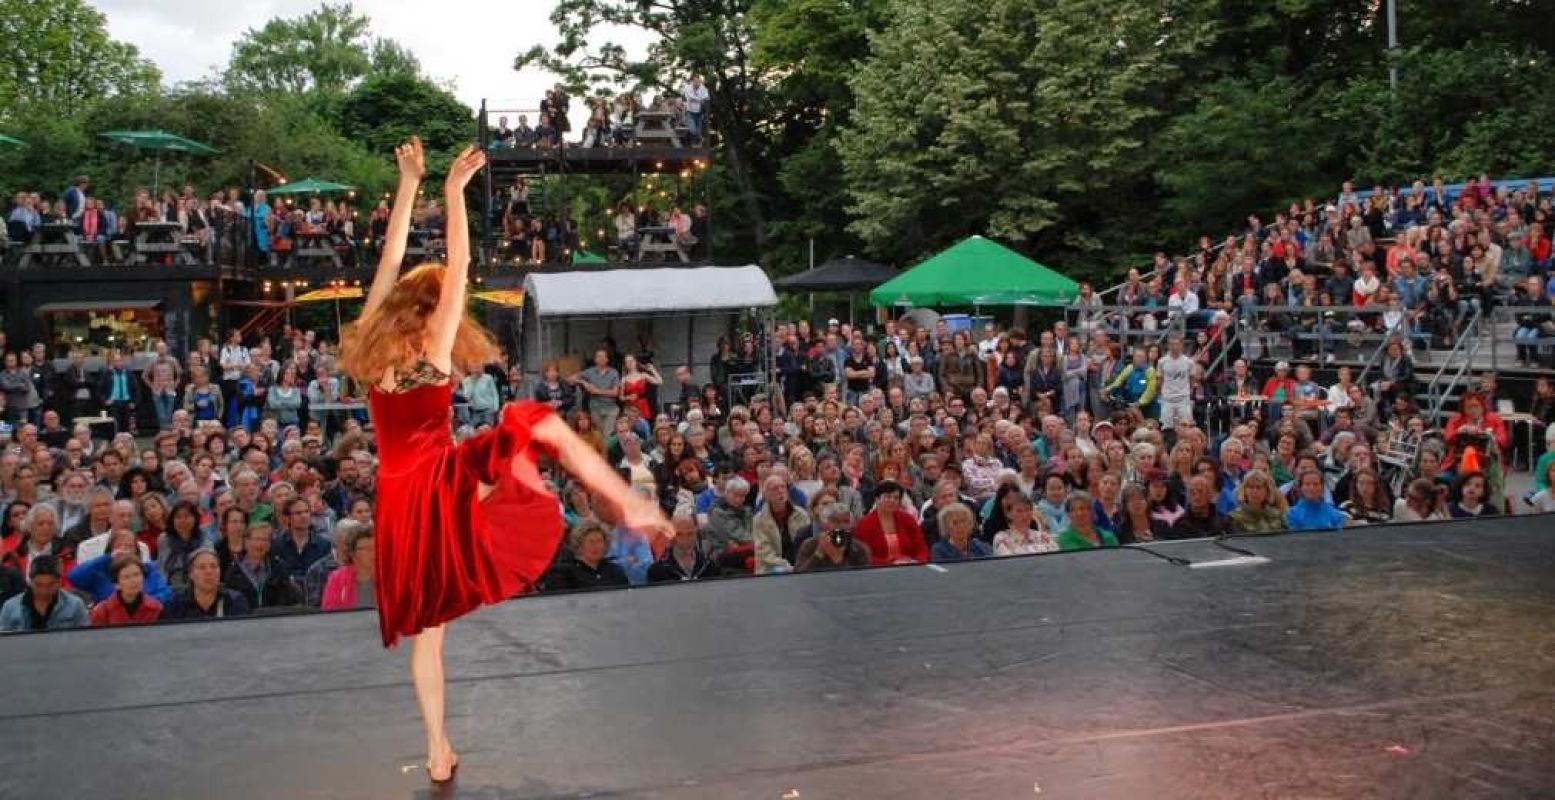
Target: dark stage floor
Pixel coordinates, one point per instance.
(1413, 662)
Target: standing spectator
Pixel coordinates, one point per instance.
(601, 383)
(696, 99)
(480, 392)
(43, 606)
(234, 360)
(129, 604)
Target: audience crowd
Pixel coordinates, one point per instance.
(241, 477)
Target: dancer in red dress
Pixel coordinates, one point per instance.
(457, 525)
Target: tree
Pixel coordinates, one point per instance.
(386, 109)
(326, 49)
(391, 56)
(711, 38)
(59, 56)
(1023, 119)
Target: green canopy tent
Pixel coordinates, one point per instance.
(977, 272)
(159, 142)
(311, 186)
(588, 257)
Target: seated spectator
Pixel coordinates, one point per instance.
(1470, 497)
(1423, 501)
(1260, 508)
(352, 584)
(1368, 502)
(1028, 532)
(956, 523)
(1055, 490)
(129, 603)
(44, 606)
(1136, 525)
(585, 567)
(834, 546)
(1314, 511)
(297, 547)
(1083, 533)
(889, 531)
(180, 541)
(727, 532)
(1200, 518)
(203, 596)
(95, 576)
(262, 579)
(42, 527)
(121, 518)
(778, 528)
(683, 560)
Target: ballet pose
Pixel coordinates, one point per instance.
(458, 525)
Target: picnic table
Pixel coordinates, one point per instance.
(160, 239)
(53, 243)
(655, 127)
(313, 245)
(660, 240)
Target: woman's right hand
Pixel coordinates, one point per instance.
(411, 159)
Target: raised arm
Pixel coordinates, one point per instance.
(412, 164)
(443, 325)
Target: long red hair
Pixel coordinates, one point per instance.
(393, 336)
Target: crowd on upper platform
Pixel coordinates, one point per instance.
(677, 118)
(240, 478)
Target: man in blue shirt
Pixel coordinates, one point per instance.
(118, 392)
(296, 546)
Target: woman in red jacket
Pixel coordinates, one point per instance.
(128, 605)
(892, 535)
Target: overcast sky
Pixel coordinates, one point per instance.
(468, 43)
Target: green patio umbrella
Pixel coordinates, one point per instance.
(158, 142)
(311, 186)
(4, 139)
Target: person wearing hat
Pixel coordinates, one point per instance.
(43, 606)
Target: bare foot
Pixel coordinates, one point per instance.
(441, 767)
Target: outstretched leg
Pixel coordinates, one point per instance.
(426, 672)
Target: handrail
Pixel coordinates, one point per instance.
(1470, 333)
(1227, 340)
(1389, 336)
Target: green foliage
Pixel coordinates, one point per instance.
(1015, 118)
(388, 108)
(59, 57)
(326, 49)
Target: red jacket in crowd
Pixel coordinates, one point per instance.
(909, 538)
(113, 611)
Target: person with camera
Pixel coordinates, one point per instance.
(833, 547)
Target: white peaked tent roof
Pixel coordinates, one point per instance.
(649, 291)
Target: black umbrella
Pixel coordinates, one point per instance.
(848, 274)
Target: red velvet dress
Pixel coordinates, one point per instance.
(442, 551)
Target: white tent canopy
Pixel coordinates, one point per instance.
(681, 313)
(644, 292)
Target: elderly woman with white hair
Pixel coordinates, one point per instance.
(726, 537)
(956, 543)
(586, 566)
